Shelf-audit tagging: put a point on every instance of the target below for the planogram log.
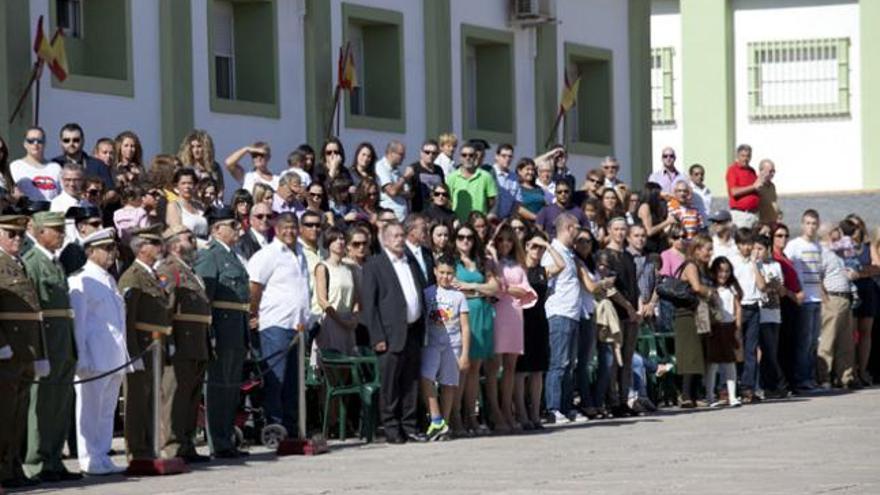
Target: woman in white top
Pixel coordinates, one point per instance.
(185, 210)
(260, 155)
(36, 177)
(336, 288)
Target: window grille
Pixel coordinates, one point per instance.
(662, 102)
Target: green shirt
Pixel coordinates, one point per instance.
(472, 193)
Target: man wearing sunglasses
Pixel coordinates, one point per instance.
(259, 234)
(472, 188)
(668, 175)
(427, 176)
(37, 178)
(72, 143)
(22, 345)
(546, 218)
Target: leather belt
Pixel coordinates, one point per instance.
(58, 313)
(193, 318)
(232, 306)
(847, 295)
(150, 327)
(14, 316)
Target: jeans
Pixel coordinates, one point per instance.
(563, 353)
(807, 343)
(586, 345)
(771, 373)
(603, 376)
(641, 367)
(751, 325)
(281, 392)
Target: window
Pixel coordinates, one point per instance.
(487, 84)
(376, 40)
(70, 17)
(661, 86)
(588, 125)
(242, 42)
(799, 79)
(98, 44)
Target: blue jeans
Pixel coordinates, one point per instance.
(603, 375)
(563, 353)
(751, 325)
(641, 367)
(586, 345)
(280, 387)
(807, 343)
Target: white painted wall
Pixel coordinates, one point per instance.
(231, 131)
(666, 32)
(103, 115)
(603, 24)
(803, 149)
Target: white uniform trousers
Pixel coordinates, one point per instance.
(95, 408)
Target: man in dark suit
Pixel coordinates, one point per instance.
(390, 278)
(259, 234)
(416, 228)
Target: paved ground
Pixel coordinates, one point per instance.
(825, 444)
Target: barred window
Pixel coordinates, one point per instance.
(799, 79)
(662, 110)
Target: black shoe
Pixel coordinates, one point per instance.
(48, 477)
(396, 440)
(231, 454)
(416, 437)
(20, 482)
(195, 458)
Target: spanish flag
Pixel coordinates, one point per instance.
(569, 94)
(347, 70)
(52, 53)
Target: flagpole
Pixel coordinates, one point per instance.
(34, 75)
(552, 137)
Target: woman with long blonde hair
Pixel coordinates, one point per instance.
(197, 151)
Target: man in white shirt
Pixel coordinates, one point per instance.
(744, 269)
(394, 184)
(806, 256)
(563, 309)
(720, 224)
(99, 329)
(35, 177)
(278, 276)
(72, 176)
(702, 196)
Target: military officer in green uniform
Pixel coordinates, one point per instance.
(188, 345)
(22, 350)
(226, 283)
(147, 317)
(30, 208)
(51, 406)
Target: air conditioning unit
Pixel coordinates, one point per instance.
(527, 12)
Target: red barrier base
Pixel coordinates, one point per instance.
(308, 446)
(156, 467)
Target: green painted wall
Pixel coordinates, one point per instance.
(869, 18)
(546, 83)
(176, 66)
(15, 70)
(438, 67)
(640, 89)
(707, 80)
(319, 63)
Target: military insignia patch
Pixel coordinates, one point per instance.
(163, 281)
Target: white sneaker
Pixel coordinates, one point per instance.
(735, 402)
(558, 417)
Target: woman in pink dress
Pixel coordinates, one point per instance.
(515, 295)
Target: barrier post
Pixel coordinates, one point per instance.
(302, 445)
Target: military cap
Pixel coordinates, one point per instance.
(35, 206)
(172, 232)
(223, 214)
(100, 237)
(48, 219)
(151, 233)
(80, 213)
(13, 222)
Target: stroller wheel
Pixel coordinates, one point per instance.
(272, 435)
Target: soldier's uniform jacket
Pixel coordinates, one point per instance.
(21, 325)
(52, 290)
(147, 307)
(190, 308)
(226, 283)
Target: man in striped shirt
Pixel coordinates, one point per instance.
(684, 211)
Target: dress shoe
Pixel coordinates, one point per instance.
(195, 458)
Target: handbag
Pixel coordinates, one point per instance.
(677, 291)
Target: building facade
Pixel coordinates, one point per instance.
(248, 70)
(792, 78)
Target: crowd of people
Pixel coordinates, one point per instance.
(499, 296)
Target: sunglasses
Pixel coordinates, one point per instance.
(262, 216)
(12, 234)
(94, 192)
(71, 140)
(668, 156)
(358, 244)
(563, 191)
(311, 225)
(441, 194)
(430, 152)
(467, 155)
(464, 237)
(332, 152)
(607, 167)
(316, 195)
(35, 141)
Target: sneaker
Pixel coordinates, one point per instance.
(718, 403)
(735, 402)
(437, 430)
(575, 416)
(556, 417)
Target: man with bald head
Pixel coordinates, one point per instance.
(667, 176)
(768, 209)
(396, 191)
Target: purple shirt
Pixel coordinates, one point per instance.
(671, 260)
(666, 179)
(546, 218)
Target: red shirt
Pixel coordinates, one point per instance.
(738, 176)
(789, 274)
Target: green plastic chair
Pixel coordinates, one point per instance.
(350, 375)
